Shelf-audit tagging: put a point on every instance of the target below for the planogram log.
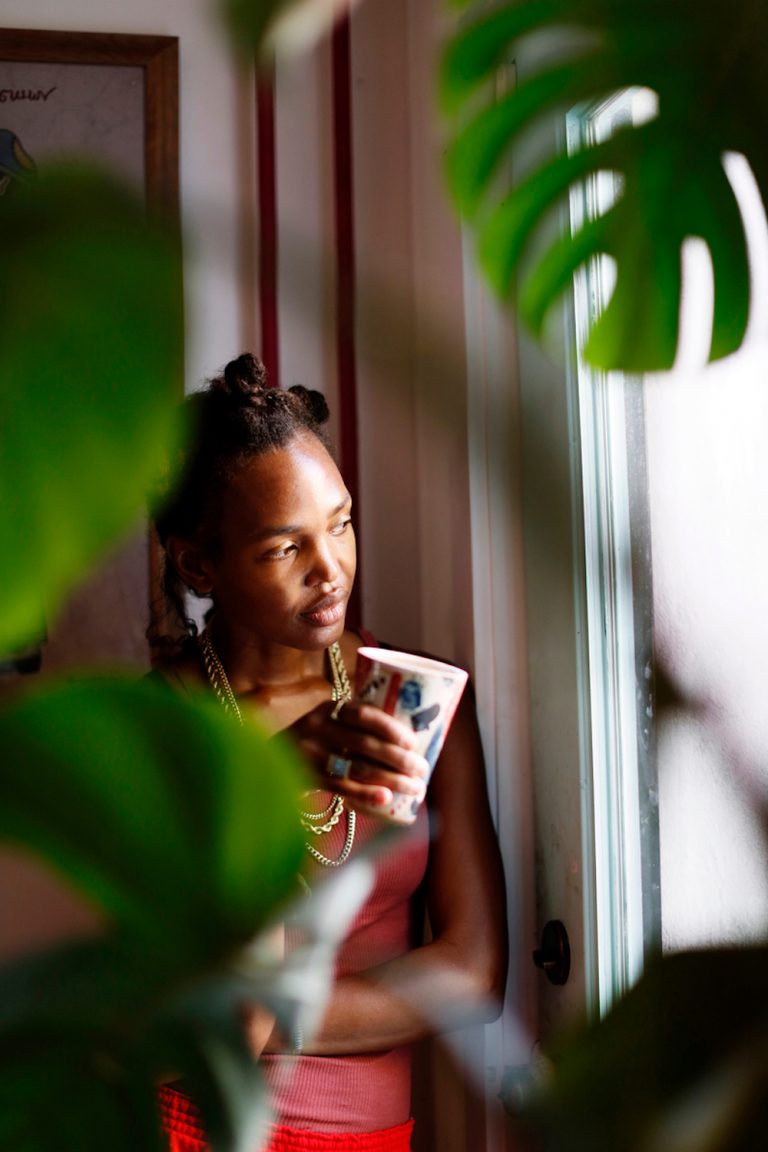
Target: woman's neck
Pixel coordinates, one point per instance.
(254, 666)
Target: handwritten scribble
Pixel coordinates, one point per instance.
(11, 95)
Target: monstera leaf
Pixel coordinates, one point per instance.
(91, 335)
(709, 75)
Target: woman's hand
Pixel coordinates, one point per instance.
(458, 976)
(363, 754)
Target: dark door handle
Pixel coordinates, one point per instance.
(554, 956)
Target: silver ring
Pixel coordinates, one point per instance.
(336, 710)
(338, 767)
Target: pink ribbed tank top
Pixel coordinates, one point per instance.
(359, 1093)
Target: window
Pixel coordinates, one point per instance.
(675, 478)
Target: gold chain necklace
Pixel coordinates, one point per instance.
(341, 690)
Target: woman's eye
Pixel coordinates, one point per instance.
(280, 553)
(341, 527)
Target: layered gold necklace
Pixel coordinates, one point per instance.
(341, 690)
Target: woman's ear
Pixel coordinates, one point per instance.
(190, 562)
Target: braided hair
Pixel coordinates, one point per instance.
(235, 418)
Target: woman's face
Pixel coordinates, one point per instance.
(286, 560)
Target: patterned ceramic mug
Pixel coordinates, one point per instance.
(421, 693)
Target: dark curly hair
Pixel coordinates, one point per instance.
(237, 417)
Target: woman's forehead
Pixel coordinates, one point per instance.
(300, 478)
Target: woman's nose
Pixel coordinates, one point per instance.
(324, 569)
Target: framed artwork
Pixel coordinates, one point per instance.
(112, 98)
(109, 97)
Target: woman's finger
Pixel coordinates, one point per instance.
(368, 718)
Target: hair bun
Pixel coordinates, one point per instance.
(243, 378)
(314, 402)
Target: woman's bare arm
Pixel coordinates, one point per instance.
(459, 975)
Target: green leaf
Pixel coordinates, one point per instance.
(483, 44)
(109, 1018)
(90, 326)
(85, 989)
(73, 1033)
(679, 1063)
(179, 823)
(248, 21)
(56, 1093)
(279, 27)
(482, 147)
(78, 1030)
(709, 78)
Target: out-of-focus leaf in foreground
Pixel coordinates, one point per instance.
(272, 28)
(182, 828)
(294, 988)
(180, 824)
(680, 1064)
(95, 1025)
(709, 75)
(91, 337)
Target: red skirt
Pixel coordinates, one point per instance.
(182, 1127)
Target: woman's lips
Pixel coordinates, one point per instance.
(326, 612)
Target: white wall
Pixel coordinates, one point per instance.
(304, 176)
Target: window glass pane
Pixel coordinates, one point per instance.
(708, 491)
(675, 487)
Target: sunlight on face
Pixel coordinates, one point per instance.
(285, 567)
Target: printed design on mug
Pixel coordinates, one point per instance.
(410, 700)
(420, 692)
(422, 719)
(434, 747)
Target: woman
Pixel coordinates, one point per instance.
(260, 522)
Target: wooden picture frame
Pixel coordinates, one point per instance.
(154, 58)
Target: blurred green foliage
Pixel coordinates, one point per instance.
(679, 1065)
(91, 338)
(180, 827)
(708, 74)
(160, 812)
(266, 29)
(249, 22)
(177, 825)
